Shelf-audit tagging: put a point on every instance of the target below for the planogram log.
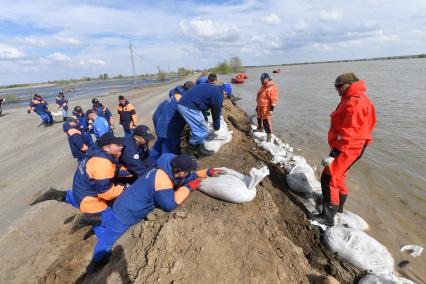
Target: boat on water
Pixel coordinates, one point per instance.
(237, 80)
(276, 70)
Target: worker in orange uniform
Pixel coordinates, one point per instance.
(128, 118)
(350, 132)
(94, 180)
(267, 100)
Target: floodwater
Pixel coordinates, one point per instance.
(387, 187)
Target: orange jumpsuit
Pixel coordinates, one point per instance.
(350, 132)
(267, 99)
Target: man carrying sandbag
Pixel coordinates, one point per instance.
(350, 132)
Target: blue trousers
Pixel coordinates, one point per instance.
(89, 138)
(69, 198)
(64, 113)
(196, 121)
(128, 132)
(164, 145)
(45, 117)
(107, 233)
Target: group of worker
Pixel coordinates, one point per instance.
(118, 181)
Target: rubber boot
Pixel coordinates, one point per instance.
(50, 194)
(203, 151)
(190, 149)
(342, 198)
(329, 210)
(96, 266)
(269, 137)
(85, 220)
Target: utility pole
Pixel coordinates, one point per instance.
(133, 65)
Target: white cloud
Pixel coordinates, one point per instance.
(9, 52)
(59, 57)
(207, 28)
(98, 62)
(272, 19)
(330, 16)
(67, 40)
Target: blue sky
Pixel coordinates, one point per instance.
(46, 40)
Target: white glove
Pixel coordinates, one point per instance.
(326, 162)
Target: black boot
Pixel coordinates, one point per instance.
(190, 150)
(342, 198)
(327, 216)
(97, 266)
(203, 151)
(50, 194)
(85, 220)
(269, 137)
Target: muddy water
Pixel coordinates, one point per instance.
(388, 185)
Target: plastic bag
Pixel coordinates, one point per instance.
(413, 250)
(360, 249)
(217, 139)
(234, 186)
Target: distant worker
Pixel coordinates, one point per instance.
(97, 124)
(103, 111)
(203, 78)
(62, 103)
(2, 100)
(41, 107)
(168, 123)
(135, 156)
(192, 106)
(165, 187)
(350, 132)
(266, 101)
(76, 138)
(127, 116)
(93, 184)
(83, 123)
(181, 90)
(212, 78)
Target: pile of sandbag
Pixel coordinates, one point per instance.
(300, 176)
(233, 186)
(217, 138)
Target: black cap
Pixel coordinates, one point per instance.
(95, 101)
(144, 132)
(121, 97)
(108, 139)
(72, 119)
(184, 163)
(90, 111)
(264, 76)
(78, 109)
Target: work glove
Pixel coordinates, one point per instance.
(212, 172)
(112, 127)
(326, 162)
(194, 184)
(29, 111)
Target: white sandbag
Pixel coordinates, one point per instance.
(234, 186)
(359, 249)
(384, 279)
(301, 179)
(56, 113)
(218, 138)
(294, 161)
(350, 220)
(273, 149)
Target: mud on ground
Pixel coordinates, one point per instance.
(206, 240)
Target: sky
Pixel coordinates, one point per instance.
(48, 40)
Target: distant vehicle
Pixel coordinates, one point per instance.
(237, 80)
(276, 70)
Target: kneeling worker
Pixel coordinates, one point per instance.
(77, 140)
(165, 187)
(93, 183)
(349, 134)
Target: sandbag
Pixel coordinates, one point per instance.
(56, 113)
(350, 220)
(233, 186)
(384, 279)
(273, 149)
(359, 249)
(218, 138)
(301, 179)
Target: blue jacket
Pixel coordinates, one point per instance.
(179, 90)
(100, 127)
(103, 111)
(155, 189)
(135, 158)
(82, 121)
(61, 102)
(39, 106)
(168, 122)
(203, 97)
(78, 142)
(95, 176)
(201, 80)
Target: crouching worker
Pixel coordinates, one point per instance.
(93, 183)
(41, 107)
(349, 134)
(168, 123)
(165, 187)
(135, 156)
(77, 140)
